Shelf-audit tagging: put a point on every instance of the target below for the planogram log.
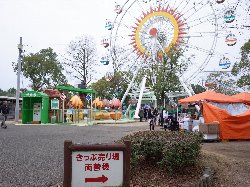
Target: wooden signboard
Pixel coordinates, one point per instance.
(96, 165)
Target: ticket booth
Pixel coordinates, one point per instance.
(35, 107)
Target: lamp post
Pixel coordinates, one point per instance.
(20, 48)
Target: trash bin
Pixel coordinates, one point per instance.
(53, 119)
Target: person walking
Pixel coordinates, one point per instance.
(151, 118)
(4, 110)
(141, 114)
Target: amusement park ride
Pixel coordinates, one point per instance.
(146, 30)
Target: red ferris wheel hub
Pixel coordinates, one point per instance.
(153, 32)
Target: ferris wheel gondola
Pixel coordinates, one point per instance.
(108, 24)
(231, 39)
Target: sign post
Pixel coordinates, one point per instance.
(96, 165)
(63, 97)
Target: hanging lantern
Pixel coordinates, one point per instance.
(108, 24)
(105, 42)
(229, 16)
(224, 63)
(104, 60)
(220, 1)
(118, 9)
(231, 39)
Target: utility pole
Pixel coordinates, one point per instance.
(20, 48)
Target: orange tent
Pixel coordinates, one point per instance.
(245, 96)
(210, 96)
(231, 127)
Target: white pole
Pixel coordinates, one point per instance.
(130, 84)
(140, 97)
(63, 111)
(20, 48)
(91, 108)
(188, 91)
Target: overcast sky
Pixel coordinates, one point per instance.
(53, 23)
(46, 23)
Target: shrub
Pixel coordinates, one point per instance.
(174, 150)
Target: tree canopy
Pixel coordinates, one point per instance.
(42, 69)
(166, 75)
(242, 69)
(222, 82)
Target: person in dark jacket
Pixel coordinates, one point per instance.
(141, 114)
(151, 118)
(4, 109)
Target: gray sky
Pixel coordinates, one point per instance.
(54, 23)
(46, 23)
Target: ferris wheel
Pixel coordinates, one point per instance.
(145, 30)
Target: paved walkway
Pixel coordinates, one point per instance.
(33, 155)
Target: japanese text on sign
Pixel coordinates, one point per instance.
(96, 166)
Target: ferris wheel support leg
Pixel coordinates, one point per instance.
(188, 90)
(140, 97)
(129, 86)
(126, 113)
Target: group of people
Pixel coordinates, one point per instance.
(149, 114)
(152, 115)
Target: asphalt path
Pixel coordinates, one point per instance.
(32, 155)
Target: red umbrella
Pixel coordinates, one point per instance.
(116, 103)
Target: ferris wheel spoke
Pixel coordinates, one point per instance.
(201, 22)
(199, 49)
(187, 2)
(139, 4)
(195, 8)
(200, 18)
(201, 34)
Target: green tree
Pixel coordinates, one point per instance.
(42, 69)
(222, 82)
(102, 88)
(166, 75)
(115, 84)
(198, 88)
(11, 92)
(2, 92)
(242, 69)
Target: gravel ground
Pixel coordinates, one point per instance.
(230, 161)
(32, 156)
(237, 150)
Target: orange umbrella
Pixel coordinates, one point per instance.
(76, 101)
(98, 103)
